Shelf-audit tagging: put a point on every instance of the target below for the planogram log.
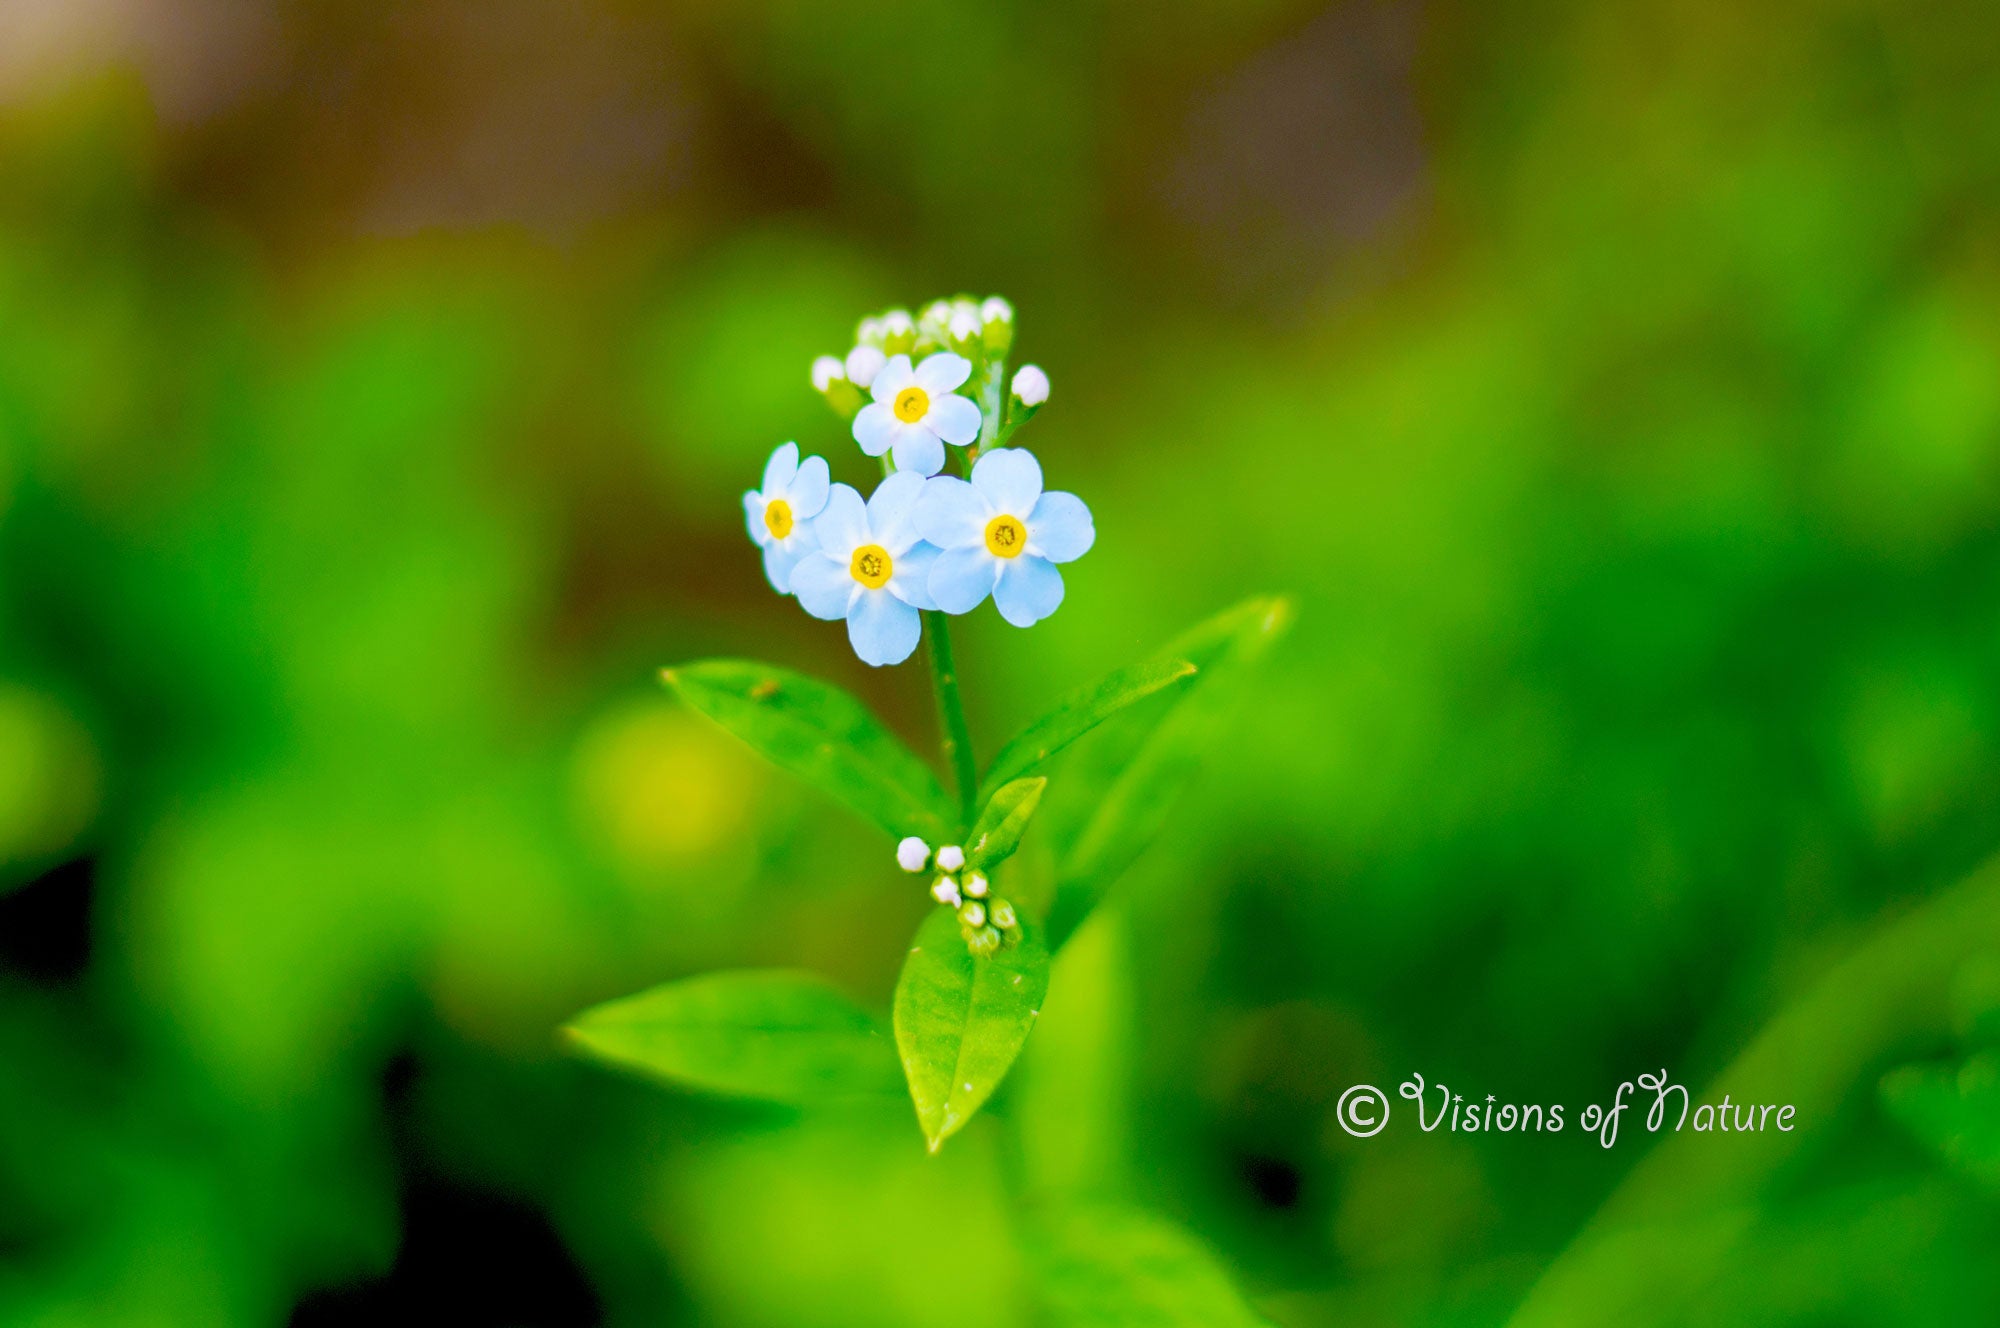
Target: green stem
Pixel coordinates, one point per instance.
(954, 738)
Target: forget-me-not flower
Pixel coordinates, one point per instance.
(779, 515)
(1001, 535)
(917, 411)
(870, 567)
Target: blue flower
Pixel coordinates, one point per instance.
(780, 514)
(917, 411)
(1001, 535)
(869, 566)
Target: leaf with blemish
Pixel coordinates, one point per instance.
(997, 832)
(961, 1019)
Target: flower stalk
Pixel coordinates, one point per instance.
(954, 735)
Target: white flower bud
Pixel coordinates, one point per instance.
(897, 322)
(965, 325)
(870, 333)
(1003, 915)
(975, 885)
(936, 314)
(864, 362)
(965, 304)
(945, 891)
(1031, 385)
(950, 858)
(827, 369)
(912, 854)
(974, 914)
(996, 310)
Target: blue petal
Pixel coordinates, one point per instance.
(962, 577)
(911, 579)
(1011, 479)
(778, 471)
(1060, 528)
(842, 523)
(955, 419)
(753, 518)
(890, 508)
(918, 450)
(883, 629)
(952, 513)
(942, 372)
(809, 489)
(778, 564)
(894, 375)
(875, 428)
(1029, 590)
(824, 586)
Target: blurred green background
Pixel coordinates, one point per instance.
(1616, 387)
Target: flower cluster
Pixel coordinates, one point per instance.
(987, 924)
(923, 540)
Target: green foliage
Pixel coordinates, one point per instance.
(822, 735)
(1108, 1266)
(997, 833)
(1952, 1110)
(1082, 711)
(1130, 798)
(961, 1019)
(781, 1036)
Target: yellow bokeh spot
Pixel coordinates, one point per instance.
(912, 404)
(659, 788)
(1006, 537)
(872, 566)
(778, 518)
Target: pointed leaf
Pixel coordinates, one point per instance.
(1109, 1266)
(997, 832)
(961, 1019)
(781, 1036)
(822, 735)
(1129, 798)
(1082, 711)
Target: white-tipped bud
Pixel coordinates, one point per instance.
(964, 304)
(870, 332)
(827, 370)
(974, 914)
(945, 891)
(864, 362)
(950, 858)
(936, 314)
(983, 942)
(996, 310)
(975, 884)
(965, 325)
(1002, 913)
(1031, 385)
(913, 854)
(898, 323)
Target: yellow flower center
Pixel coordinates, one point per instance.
(871, 566)
(778, 518)
(1005, 537)
(912, 404)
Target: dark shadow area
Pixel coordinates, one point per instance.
(45, 925)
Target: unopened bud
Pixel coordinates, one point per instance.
(1003, 915)
(983, 942)
(996, 310)
(912, 854)
(945, 891)
(974, 914)
(827, 370)
(899, 332)
(951, 857)
(1031, 385)
(869, 332)
(965, 326)
(865, 361)
(975, 885)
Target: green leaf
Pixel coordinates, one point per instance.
(825, 737)
(1130, 796)
(1953, 1112)
(781, 1036)
(1109, 1266)
(961, 1020)
(997, 832)
(1082, 711)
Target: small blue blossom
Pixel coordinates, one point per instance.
(917, 411)
(1002, 536)
(869, 566)
(779, 515)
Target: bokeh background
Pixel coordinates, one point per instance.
(1616, 387)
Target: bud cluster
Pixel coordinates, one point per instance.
(980, 330)
(986, 922)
